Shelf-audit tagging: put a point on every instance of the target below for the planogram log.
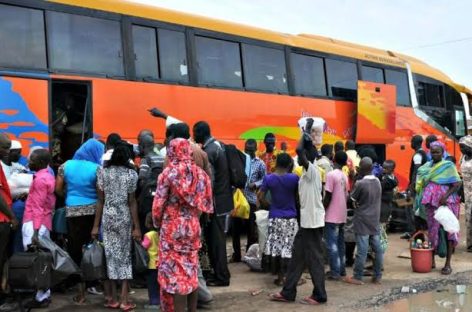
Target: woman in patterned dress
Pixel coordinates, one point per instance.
(465, 144)
(283, 225)
(437, 185)
(183, 192)
(117, 211)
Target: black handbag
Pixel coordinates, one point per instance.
(30, 270)
(140, 258)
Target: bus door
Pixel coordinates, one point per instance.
(70, 118)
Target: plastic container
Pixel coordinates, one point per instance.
(421, 259)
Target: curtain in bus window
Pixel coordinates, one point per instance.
(342, 78)
(22, 42)
(264, 69)
(309, 76)
(172, 55)
(372, 74)
(400, 80)
(145, 52)
(218, 62)
(85, 44)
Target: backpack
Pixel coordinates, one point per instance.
(146, 195)
(236, 166)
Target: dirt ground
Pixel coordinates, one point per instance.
(341, 296)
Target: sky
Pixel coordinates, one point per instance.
(438, 32)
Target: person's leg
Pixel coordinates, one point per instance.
(153, 287)
(350, 247)
(218, 251)
(114, 291)
(295, 267)
(204, 294)
(180, 303)
(124, 292)
(192, 300)
(4, 237)
(236, 229)
(341, 250)
(331, 232)
(447, 266)
(378, 262)
(252, 228)
(362, 243)
(315, 261)
(468, 224)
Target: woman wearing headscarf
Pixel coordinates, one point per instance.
(465, 144)
(437, 185)
(76, 181)
(183, 193)
(117, 212)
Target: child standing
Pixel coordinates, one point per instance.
(37, 219)
(389, 182)
(366, 196)
(151, 244)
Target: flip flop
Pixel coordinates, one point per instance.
(352, 280)
(446, 270)
(79, 301)
(127, 307)
(309, 301)
(111, 305)
(278, 297)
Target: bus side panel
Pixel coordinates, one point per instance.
(234, 116)
(408, 125)
(24, 111)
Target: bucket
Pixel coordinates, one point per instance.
(421, 259)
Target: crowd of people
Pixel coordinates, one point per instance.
(176, 199)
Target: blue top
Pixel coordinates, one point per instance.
(80, 177)
(282, 189)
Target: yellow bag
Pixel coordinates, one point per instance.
(241, 206)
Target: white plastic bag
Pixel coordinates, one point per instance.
(262, 221)
(253, 258)
(20, 183)
(447, 219)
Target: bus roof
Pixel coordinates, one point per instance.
(304, 41)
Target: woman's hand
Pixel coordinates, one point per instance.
(137, 234)
(94, 232)
(443, 201)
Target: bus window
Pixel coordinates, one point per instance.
(172, 55)
(85, 44)
(145, 52)
(309, 75)
(264, 69)
(372, 74)
(430, 95)
(460, 122)
(22, 42)
(218, 63)
(453, 98)
(342, 78)
(400, 80)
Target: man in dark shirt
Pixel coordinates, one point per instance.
(366, 196)
(222, 192)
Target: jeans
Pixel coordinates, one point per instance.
(153, 288)
(362, 242)
(204, 294)
(334, 238)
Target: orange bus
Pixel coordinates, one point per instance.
(73, 69)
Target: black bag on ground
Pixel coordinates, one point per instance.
(148, 189)
(62, 264)
(93, 262)
(30, 270)
(236, 166)
(140, 258)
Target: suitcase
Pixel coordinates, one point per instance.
(30, 270)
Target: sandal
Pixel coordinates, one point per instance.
(111, 305)
(79, 300)
(127, 307)
(447, 270)
(352, 280)
(309, 301)
(278, 297)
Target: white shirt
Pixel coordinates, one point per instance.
(312, 212)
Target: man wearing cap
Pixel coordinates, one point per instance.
(10, 162)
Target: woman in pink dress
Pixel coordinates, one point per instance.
(183, 193)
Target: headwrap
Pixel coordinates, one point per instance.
(438, 144)
(187, 180)
(466, 140)
(92, 150)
